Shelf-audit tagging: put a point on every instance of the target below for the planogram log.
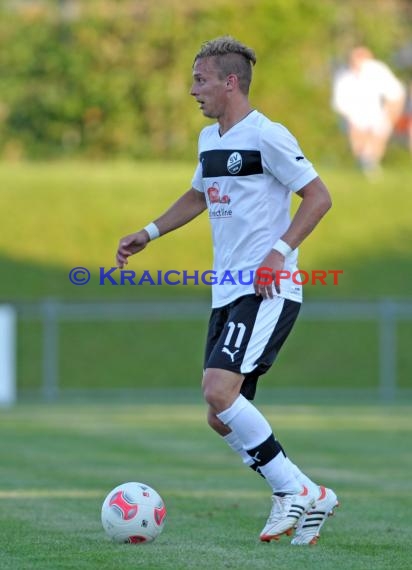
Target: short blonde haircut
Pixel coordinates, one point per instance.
(230, 56)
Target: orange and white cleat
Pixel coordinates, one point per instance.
(309, 525)
(287, 510)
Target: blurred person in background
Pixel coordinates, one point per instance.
(370, 98)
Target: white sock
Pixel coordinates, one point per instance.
(246, 422)
(304, 479)
(252, 430)
(234, 443)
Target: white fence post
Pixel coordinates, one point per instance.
(7, 355)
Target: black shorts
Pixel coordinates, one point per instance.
(246, 336)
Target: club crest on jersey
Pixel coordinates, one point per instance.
(234, 163)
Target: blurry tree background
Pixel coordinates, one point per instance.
(111, 78)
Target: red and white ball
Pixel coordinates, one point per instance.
(134, 513)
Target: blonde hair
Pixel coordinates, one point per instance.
(231, 56)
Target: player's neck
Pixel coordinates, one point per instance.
(233, 117)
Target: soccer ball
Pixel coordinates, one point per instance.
(134, 513)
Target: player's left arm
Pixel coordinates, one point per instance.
(316, 201)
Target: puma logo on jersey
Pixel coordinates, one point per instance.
(231, 354)
(300, 158)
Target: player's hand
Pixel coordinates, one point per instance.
(129, 245)
(273, 262)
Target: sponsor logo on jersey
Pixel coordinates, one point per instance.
(218, 202)
(234, 163)
(220, 213)
(214, 195)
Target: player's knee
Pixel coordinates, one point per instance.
(220, 388)
(213, 393)
(216, 424)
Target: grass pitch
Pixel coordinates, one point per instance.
(73, 214)
(59, 462)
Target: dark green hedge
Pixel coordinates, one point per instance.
(101, 79)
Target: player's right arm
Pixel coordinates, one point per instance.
(185, 209)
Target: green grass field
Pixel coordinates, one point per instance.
(138, 354)
(59, 462)
(61, 215)
(64, 215)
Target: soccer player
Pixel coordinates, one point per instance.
(247, 171)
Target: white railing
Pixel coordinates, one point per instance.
(385, 313)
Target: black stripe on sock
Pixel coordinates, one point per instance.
(265, 452)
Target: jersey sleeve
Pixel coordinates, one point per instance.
(284, 159)
(197, 180)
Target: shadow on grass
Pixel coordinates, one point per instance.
(386, 275)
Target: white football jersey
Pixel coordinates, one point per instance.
(248, 176)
